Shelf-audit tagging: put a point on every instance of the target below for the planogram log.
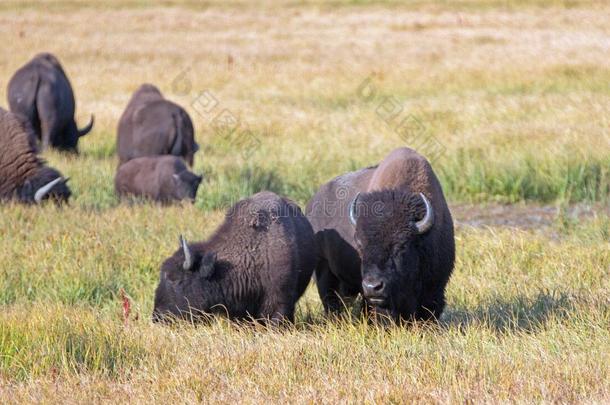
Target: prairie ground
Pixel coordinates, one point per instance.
(510, 100)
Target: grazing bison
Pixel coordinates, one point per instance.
(152, 126)
(23, 176)
(41, 92)
(159, 178)
(256, 265)
(385, 232)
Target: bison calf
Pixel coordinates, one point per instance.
(256, 265)
(159, 178)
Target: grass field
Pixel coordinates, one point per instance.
(511, 100)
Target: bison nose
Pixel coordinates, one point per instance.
(372, 287)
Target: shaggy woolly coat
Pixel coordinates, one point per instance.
(22, 172)
(256, 265)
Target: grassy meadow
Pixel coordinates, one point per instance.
(509, 99)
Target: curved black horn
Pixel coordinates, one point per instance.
(427, 221)
(44, 190)
(352, 210)
(87, 129)
(188, 257)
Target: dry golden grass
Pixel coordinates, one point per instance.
(501, 89)
(516, 92)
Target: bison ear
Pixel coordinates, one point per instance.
(208, 265)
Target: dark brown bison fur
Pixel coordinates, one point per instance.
(159, 178)
(256, 265)
(42, 93)
(22, 172)
(402, 272)
(152, 125)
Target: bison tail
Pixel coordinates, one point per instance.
(87, 129)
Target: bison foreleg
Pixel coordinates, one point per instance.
(281, 314)
(431, 309)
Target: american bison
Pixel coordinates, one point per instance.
(41, 92)
(152, 126)
(385, 232)
(256, 265)
(23, 175)
(159, 178)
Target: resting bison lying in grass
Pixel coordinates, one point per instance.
(256, 265)
(385, 232)
(159, 178)
(41, 92)
(152, 126)
(23, 176)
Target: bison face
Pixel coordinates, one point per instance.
(389, 227)
(46, 184)
(186, 289)
(186, 185)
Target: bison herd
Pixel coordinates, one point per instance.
(382, 232)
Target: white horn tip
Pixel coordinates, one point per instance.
(44, 190)
(188, 259)
(352, 210)
(427, 221)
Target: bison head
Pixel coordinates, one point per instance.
(46, 184)
(389, 228)
(187, 288)
(186, 185)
